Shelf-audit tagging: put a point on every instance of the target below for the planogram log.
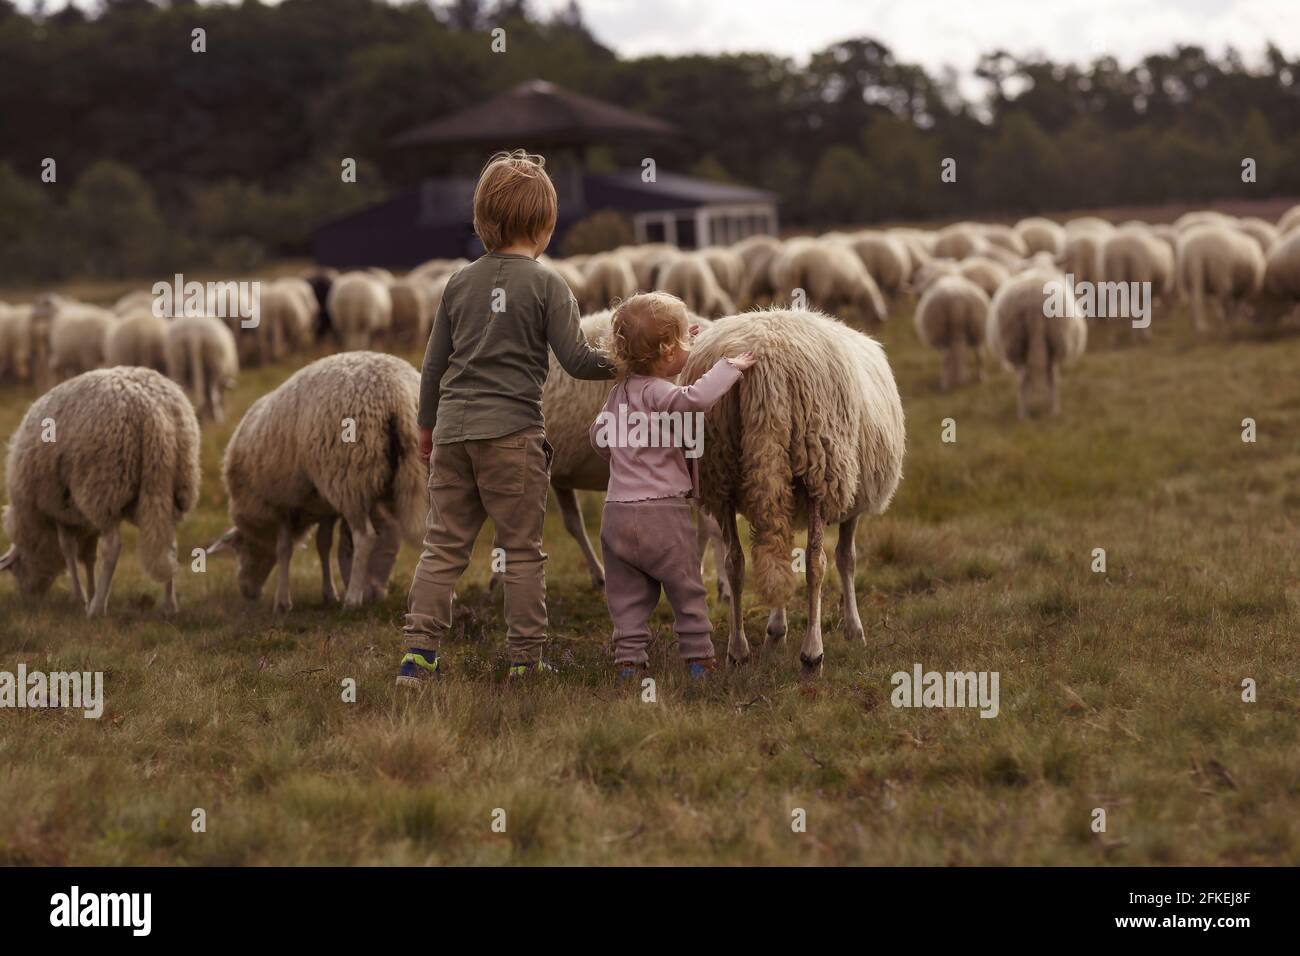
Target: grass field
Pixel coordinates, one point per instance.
(1119, 690)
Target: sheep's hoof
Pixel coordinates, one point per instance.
(775, 636)
(808, 668)
(282, 607)
(737, 661)
(854, 632)
(170, 608)
(94, 610)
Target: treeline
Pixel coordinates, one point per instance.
(166, 156)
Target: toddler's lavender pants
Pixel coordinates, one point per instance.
(648, 545)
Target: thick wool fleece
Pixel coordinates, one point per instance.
(125, 448)
(819, 411)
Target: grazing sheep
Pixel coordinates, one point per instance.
(436, 288)
(728, 268)
(338, 438)
(757, 252)
(1288, 221)
(320, 282)
(1088, 224)
(78, 334)
(959, 240)
(1282, 270)
(1134, 254)
(610, 279)
(919, 245)
(1032, 338)
(360, 309)
(951, 316)
(138, 338)
(885, 257)
(134, 302)
(286, 320)
(201, 356)
(125, 448)
(831, 276)
(1081, 256)
(1203, 217)
(988, 274)
(932, 271)
(691, 280)
(16, 343)
(646, 261)
(437, 268)
(1222, 263)
(413, 308)
(1005, 238)
(1041, 235)
(814, 434)
(1262, 231)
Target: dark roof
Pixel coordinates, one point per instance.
(687, 190)
(537, 113)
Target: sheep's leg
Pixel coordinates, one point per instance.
(737, 646)
(708, 529)
(1022, 400)
(567, 499)
(68, 545)
(283, 555)
(977, 361)
(170, 605)
(364, 538)
(112, 548)
(846, 563)
(324, 545)
(950, 375)
(345, 553)
(1053, 386)
(776, 627)
(88, 549)
(384, 555)
(811, 654)
(217, 403)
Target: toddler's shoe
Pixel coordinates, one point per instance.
(701, 668)
(627, 671)
(418, 666)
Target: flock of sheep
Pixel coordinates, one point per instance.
(814, 437)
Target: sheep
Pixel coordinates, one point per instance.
(958, 241)
(320, 281)
(1081, 255)
(757, 252)
(285, 321)
(1282, 270)
(1034, 328)
(691, 280)
(609, 278)
(125, 448)
(435, 290)
(1005, 238)
(1135, 254)
(988, 274)
(338, 438)
(360, 309)
(15, 343)
(413, 308)
(951, 316)
(1041, 235)
(918, 243)
(728, 269)
(831, 276)
(1202, 217)
(1220, 262)
(1088, 224)
(77, 335)
(138, 338)
(886, 258)
(437, 268)
(134, 302)
(200, 354)
(1261, 230)
(813, 434)
(646, 262)
(1289, 220)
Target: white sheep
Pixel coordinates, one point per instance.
(435, 289)
(831, 276)
(287, 318)
(570, 273)
(1282, 271)
(1034, 328)
(1221, 263)
(646, 261)
(16, 343)
(728, 268)
(360, 309)
(138, 338)
(201, 356)
(1006, 238)
(437, 268)
(690, 278)
(610, 279)
(813, 434)
(886, 258)
(757, 252)
(77, 336)
(1081, 255)
(136, 301)
(413, 308)
(125, 448)
(988, 274)
(951, 316)
(338, 438)
(1041, 235)
(1289, 220)
(1261, 230)
(1135, 254)
(959, 240)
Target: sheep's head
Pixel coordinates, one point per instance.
(254, 560)
(32, 575)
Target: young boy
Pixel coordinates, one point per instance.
(481, 413)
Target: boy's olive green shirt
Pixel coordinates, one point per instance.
(486, 360)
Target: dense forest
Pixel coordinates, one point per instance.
(168, 157)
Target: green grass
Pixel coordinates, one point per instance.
(1119, 690)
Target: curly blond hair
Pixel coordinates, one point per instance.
(514, 200)
(644, 329)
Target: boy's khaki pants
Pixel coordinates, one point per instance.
(504, 479)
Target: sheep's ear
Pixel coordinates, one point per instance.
(9, 559)
(227, 542)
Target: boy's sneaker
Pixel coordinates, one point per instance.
(418, 666)
(520, 670)
(629, 672)
(701, 667)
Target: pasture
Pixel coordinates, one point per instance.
(1119, 690)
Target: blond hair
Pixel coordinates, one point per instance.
(645, 328)
(514, 200)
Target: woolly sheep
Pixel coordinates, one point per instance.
(1282, 270)
(437, 268)
(78, 334)
(1289, 220)
(757, 252)
(338, 438)
(988, 274)
(1088, 224)
(1025, 337)
(886, 258)
(1135, 254)
(360, 309)
(413, 308)
(1041, 235)
(832, 277)
(919, 245)
(728, 269)
(1081, 256)
(610, 279)
(951, 316)
(201, 356)
(646, 262)
(813, 434)
(959, 241)
(1202, 217)
(435, 289)
(16, 343)
(1005, 238)
(1262, 231)
(1221, 263)
(691, 280)
(138, 338)
(134, 302)
(285, 321)
(571, 275)
(126, 448)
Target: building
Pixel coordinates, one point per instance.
(435, 218)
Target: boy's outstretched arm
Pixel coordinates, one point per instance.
(436, 356)
(564, 335)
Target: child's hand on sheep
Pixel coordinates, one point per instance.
(742, 361)
(426, 443)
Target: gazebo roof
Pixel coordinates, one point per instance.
(537, 113)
